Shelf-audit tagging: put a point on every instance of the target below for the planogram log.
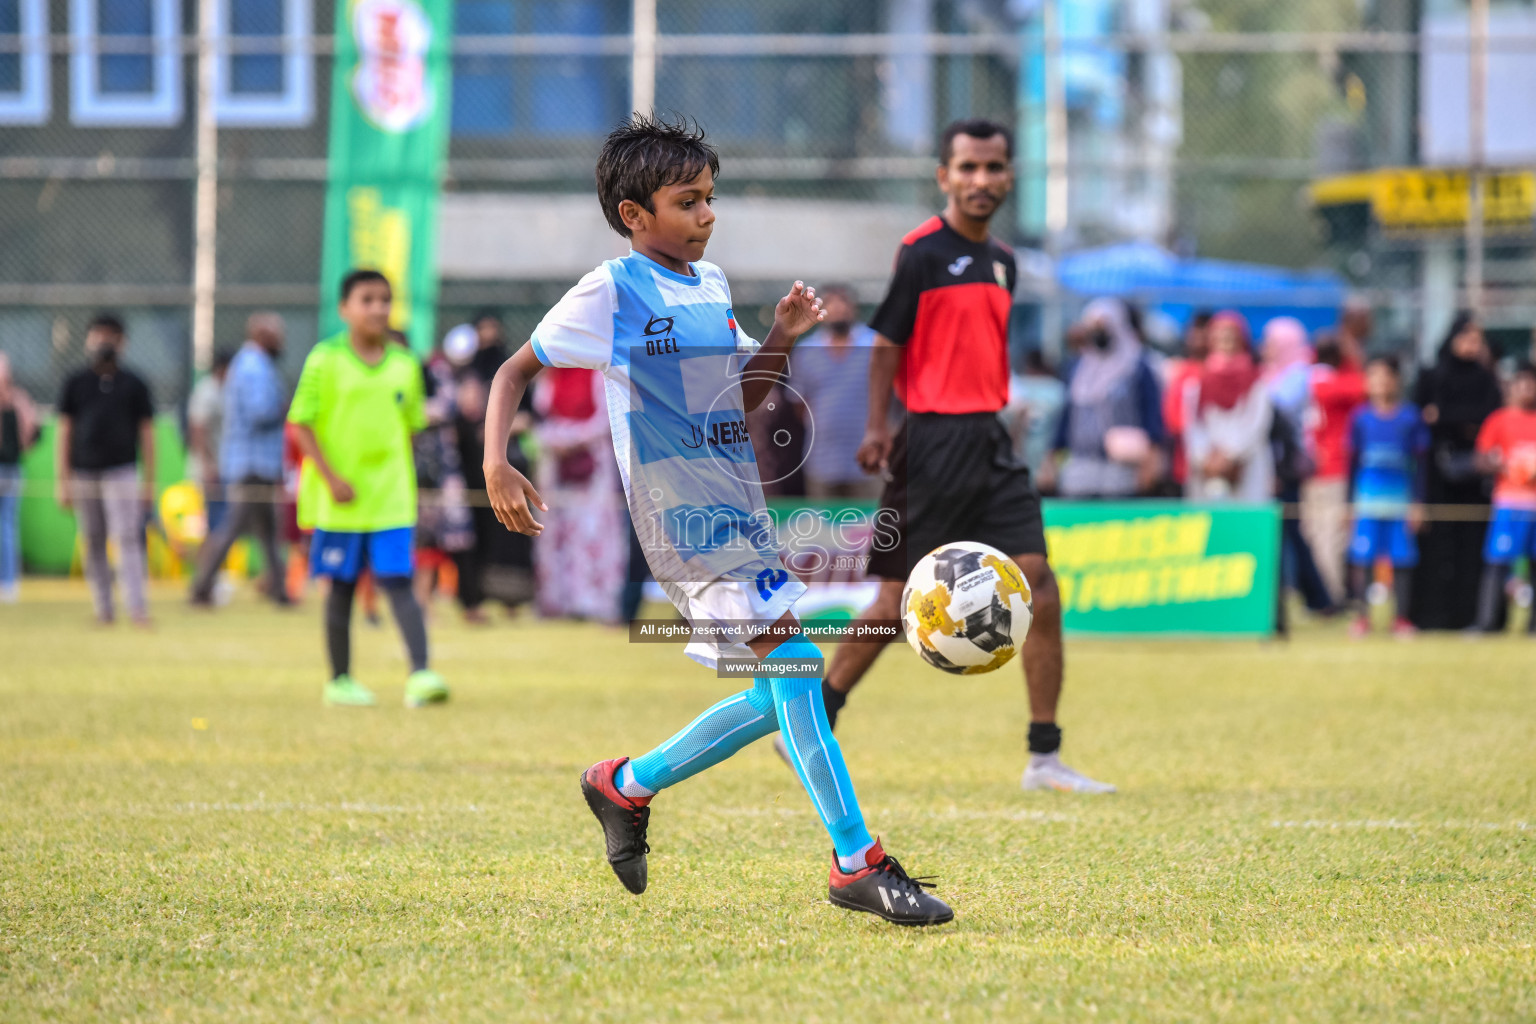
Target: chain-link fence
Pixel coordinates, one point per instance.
(1237, 130)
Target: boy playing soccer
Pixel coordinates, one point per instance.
(1506, 445)
(680, 375)
(358, 401)
(1388, 449)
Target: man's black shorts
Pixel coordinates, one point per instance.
(953, 477)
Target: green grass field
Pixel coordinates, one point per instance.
(1318, 830)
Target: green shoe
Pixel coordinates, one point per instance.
(346, 692)
(425, 687)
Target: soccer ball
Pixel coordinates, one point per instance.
(966, 608)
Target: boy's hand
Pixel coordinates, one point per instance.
(798, 311)
(511, 499)
(341, 491)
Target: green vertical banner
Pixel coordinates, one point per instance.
(390, 91)
(1172, 568)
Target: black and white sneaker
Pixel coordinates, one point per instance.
(884, 889)
(624, 820)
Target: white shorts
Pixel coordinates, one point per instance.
(734, 602)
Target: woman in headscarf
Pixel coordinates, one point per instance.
(1111, 429)
(1457, 394)
(1227, 418)
(1287, 376)
(18, 429)
(581, 556)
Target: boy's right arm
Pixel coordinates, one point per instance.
(512, 496)
(309, 444)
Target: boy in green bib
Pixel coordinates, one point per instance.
(358, 401)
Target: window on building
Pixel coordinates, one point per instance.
(496, 95)
(125, 65)
(482, 83)
(23, 61)
(264, 74)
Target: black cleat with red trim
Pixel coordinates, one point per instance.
(883, 888)
(624, 820)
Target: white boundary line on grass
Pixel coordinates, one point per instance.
(1366, 824)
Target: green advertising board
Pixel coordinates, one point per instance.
(1165, 567)
(389, 135)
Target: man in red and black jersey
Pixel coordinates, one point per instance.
(950, 471)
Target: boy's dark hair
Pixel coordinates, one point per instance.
(1034, 362)
(646, 154)
(482, 315)
(222, 359)
(1202, 318)
(357, 277)
(976, 128)
(109, 322)
(1525, 368)
(1329, 352)
(1386, 360)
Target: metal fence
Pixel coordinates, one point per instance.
(1205, 133)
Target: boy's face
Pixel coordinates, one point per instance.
(682, 222)
(1522, 390)
(1380, 383)
(978, 176)
(366, 309)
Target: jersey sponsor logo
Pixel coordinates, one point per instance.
(958, 267)
(1000, 272)
(695, 438)
(724, 433)
(658, 336)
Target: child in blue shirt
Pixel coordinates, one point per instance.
(1388, 445)
(680, 374)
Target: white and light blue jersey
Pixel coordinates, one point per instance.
(672, 354)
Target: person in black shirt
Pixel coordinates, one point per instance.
(106, 427)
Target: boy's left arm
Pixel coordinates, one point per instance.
(795, 314)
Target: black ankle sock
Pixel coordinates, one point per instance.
(834, 700)
(1044, 738)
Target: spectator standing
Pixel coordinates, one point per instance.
(1457, 394)
(1228, 419)
(1388, 447)
(1287, 376)
(106, 429)
(18, 430)
(1507, 447)
(1179, 375)
(1338, 389)
(493, 349)
(1036, 397)
(443, 524)
(251, 458)
(582, 553)
(1112, 424)
(829, 373)
(205, 419)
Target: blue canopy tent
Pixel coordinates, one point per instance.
(1162, 282)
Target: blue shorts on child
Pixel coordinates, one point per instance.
(342, 556)
(1376, 539)
(1511, 534)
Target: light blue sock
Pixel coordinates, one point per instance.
(709, 739)
(815, 753)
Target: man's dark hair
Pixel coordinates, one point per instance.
(646, 154)
(222, 359)
(976, 128)
(1525, 368)
(110, 322)
(1387, 360)
(482, 315)
(1329, 352)
(357, 277)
